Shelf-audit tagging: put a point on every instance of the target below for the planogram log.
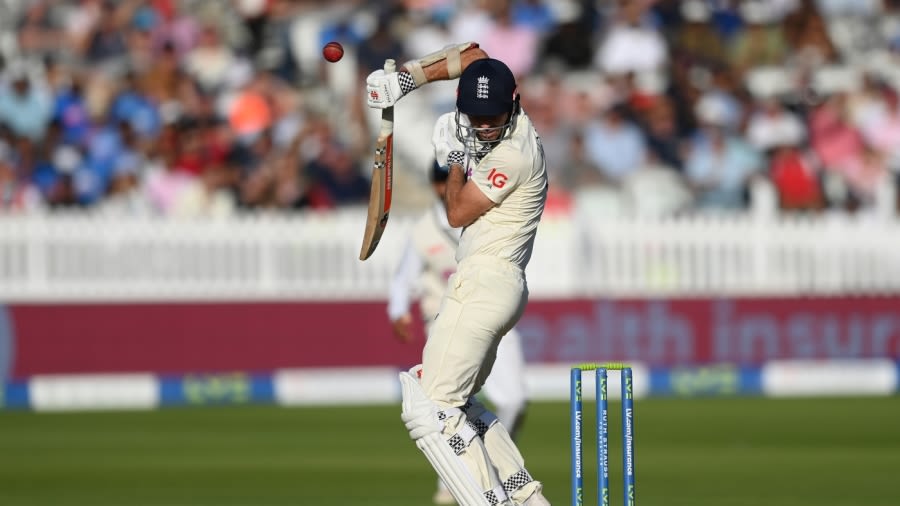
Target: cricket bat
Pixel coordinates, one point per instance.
(382, 180)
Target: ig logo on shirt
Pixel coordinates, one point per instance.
(497, 179)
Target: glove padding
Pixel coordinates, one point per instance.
(383, 90)
(447, 147)
(419, 414)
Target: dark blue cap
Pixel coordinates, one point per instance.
(486, 88)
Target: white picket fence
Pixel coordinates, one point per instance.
(80, 257)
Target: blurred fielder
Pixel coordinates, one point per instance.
(496, 191)
(428, 260)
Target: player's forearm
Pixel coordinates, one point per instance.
(440, 69)
(465, 203)
(384, 89)
(455, 181)
(465, 200)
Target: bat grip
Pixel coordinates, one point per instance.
(387, 115)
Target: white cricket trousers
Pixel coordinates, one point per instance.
(505, 387)
(483, 301)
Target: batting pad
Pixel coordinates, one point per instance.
(421, 419)
(517, 482)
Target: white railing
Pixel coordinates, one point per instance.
(314, 256)
(714, 255)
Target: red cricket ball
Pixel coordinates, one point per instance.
(333, 51)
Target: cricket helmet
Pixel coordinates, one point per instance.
(486, 88)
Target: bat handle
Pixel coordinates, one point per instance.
(387, 115)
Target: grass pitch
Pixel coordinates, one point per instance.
(712, 452)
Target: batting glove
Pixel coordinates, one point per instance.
(447, 148)
(384, 90)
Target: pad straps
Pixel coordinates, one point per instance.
(496, 495)
(462, 439)
(517, 481)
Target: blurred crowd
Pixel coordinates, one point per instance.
(214, 107)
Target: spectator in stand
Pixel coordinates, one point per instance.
(107, 41)
(165, 184)
(210, 61)
(569, 42)
(866, 103)
(248, 73)
(57, 161)
(429, 31)
(255, 15)
(471, 21)
(380, 46)
(250, 113)
(26, 105)
(537, 15)
(614, 145)
(144, 19)
(17, 193)
(134, 105)
(250, 153)
(807, 35)
(339, 175)
(696, 36)
(511, 42)
(664, 143)
(70, 110)
(835, 141)
(719, 163)
(551, 105)
(771, 123)
(190, 157)
(36, 32)
(44, 174)
(761, 42)
(125, 197)
(864, 176)
(631, 43)
(882, 131)
(797, 178)
(726, 18)
(178, 26)
(160, 81)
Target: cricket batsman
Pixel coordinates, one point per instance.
(496, 191)
(428, 260)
